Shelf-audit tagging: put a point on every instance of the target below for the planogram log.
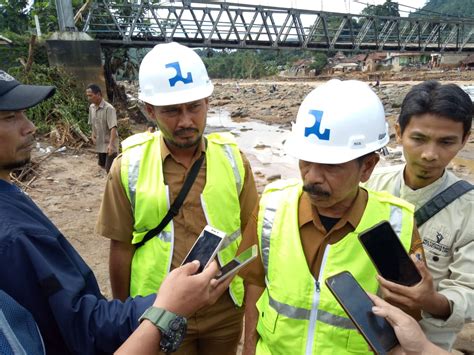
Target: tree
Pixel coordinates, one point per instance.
(14, 16)
(388, 8)
(319, 62)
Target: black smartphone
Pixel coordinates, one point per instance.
(388, 255)
(378, 333)
(238, 262)
(205, 248)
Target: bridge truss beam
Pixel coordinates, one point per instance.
(139, 23)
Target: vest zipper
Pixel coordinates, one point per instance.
(313, 317)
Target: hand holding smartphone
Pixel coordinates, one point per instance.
(205, 248)
(388, 255)
(238, 262)
(378, 333)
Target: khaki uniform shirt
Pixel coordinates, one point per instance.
(116, 222)
(314, 237)
(448, 240)
(103, 118)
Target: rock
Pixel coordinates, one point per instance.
(221, 102)
(261, 146)
(274, 177)
(465, 339)
(240, 112)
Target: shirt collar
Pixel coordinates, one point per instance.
(352, 216)
(420, 196)
(165, 152)
(101, 105)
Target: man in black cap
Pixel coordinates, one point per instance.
(43, 272)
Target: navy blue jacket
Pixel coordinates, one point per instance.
(43, 272)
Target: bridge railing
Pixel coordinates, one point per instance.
(230, 25)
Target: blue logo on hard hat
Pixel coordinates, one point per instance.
(315, 129)
(179, 77)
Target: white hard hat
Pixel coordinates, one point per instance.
(337, 122)
(173, 74)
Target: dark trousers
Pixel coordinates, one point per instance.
(106, 160)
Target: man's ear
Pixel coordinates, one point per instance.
(465, 138)
(368, 166)
(150, 110)
(398, 132)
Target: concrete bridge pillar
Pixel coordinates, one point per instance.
(79, 55)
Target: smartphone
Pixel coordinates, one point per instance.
(238, 262)
(378, 333)
(205, 248)
(388, 255)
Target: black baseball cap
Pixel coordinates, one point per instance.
(15, 96)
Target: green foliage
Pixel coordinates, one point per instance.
(18, 15)
(443, 8)
(388, 8)
(251, 64)
(238, 65)
(10, 54)
(319, 61)
(13, 15)
(67, 107)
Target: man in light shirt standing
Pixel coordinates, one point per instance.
(434, 125)
(103, 118)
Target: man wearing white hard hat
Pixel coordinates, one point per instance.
(148, 237)
(307, 228)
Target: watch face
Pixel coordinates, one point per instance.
(175, 324)
(173, 337)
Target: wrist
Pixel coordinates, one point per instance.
(172, 327)
(149, 327)
(437, 305)
(431, 349)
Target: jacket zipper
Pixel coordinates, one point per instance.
(313, 317)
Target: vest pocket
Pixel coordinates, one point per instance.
(267, 319)
(356, 343)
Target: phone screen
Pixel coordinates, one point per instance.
(389, 256)
(358, 306)
(229, 267)
(203, 250)
(239, 261)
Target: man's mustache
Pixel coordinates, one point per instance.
(185, 130)
(316, 190)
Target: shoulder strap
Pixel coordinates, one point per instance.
(174, 209)
(441, 200)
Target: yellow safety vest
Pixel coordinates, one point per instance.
(142, 179)
(297, 313)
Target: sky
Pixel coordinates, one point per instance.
(352, 6)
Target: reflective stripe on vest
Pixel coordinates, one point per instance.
(133, 169)
(318, 310)
(225, 161)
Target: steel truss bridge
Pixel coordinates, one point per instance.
(215, 24)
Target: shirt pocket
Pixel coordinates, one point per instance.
(438, 264)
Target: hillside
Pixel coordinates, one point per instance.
(461, 8)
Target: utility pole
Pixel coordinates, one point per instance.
(65, 16)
